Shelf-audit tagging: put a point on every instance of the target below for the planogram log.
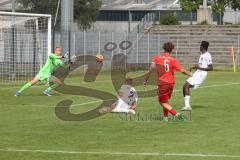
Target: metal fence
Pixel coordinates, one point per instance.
(146, 22)
(140, 48)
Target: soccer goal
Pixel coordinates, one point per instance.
(25, 40)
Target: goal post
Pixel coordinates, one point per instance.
(25, 41)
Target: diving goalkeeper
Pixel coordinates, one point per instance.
(54, 60)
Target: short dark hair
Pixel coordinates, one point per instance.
(57, 48)
(205, 44)
(168, 47)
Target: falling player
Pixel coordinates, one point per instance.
(165, 66)
(54, 60)
(204, 65)
(127, 100)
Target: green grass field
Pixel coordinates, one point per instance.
(29, 128)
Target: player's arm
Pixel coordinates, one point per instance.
(208, 60)
(63, 62)
(53, 56)
(151, 68)
(184, 71)
(134, 106)
(120, 94)
(179, 68)
(209, 68)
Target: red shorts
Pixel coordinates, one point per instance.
(165, 92)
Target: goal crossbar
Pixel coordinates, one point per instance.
(25, 14)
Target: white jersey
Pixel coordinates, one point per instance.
(205, 60)
(129, 94)
(200, 76)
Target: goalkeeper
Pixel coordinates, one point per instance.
(54, 60)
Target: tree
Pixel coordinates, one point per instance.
(169, 19)
(85, 11)
(220, 5)
(235, 4)
(190, 5)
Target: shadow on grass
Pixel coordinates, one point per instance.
(198, 107)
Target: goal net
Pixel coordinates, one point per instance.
(25, 40)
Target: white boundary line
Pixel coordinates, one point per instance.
(215, 86)
(131, 153)
(122, 153)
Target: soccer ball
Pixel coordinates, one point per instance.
(99, 58)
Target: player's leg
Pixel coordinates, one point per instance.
(107, 109)
(186, 93)
(164, 95)
(165, 114)
(56, 83)
(26, 86)
(168, 108)
(193, 82)
(122, 107)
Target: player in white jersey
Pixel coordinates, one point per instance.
(127, 99)
(204, 65)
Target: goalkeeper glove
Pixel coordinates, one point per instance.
(65, 55)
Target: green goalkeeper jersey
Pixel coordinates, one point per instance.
(52, 63)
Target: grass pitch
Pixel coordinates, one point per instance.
(29, 128)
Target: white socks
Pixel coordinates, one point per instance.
(187, 101)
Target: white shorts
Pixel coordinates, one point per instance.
(121, 107)
(197, 79)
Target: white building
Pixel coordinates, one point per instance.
(125, 15)
(231, 16)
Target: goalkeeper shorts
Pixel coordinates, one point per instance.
(43, 77)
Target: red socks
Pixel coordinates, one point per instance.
(173, 112)
(165, 112)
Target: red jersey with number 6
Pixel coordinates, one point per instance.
(166, 66)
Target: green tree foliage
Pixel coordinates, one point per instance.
(217, 5)
(169, 19)
(220, 5)
(85, 11)
(190, 5)
(235, 4)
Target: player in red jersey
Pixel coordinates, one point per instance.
(165, 66)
